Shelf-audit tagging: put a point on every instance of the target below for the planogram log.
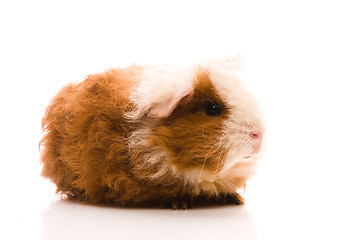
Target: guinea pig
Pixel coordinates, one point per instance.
(153, 134)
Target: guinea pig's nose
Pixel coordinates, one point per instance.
(256, 135)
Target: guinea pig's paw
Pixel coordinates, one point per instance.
(233, 198)
(182, 203)
(177, 203)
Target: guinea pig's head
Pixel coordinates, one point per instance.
(207, 123)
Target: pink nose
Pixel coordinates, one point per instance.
(256, 137)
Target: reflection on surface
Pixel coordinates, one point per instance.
(69, 220)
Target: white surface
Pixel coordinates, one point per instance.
(302, 59)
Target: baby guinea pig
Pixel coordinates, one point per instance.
(153, 134)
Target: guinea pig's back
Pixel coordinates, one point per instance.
(83, 146)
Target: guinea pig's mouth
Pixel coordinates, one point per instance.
(249, 157)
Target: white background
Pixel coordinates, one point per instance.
(302, 60)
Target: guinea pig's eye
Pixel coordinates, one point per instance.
(211, 108)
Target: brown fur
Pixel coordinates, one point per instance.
(85, 151)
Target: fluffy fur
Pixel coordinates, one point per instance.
(140, 135)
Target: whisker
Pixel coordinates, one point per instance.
(218, 166)
(218, 144)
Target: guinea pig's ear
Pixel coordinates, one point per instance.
(165, 108)
(159, 92)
